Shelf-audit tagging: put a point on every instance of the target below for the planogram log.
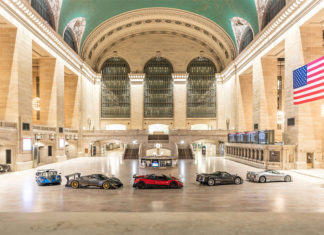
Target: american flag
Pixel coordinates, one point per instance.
(309, 82)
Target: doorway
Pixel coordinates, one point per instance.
(8, 156)
(310, 160)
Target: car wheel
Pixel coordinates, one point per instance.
(287, 178)
(106, 185)
(237, 180)
(211, 182)
(75, 184)
(262, 179)
(173, 184)
(141, 185)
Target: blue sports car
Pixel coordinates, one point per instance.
(48, 177)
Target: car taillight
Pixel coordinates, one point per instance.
(254, 176)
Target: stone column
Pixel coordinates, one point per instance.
(16, 87)
(265, 93)
(245, 103)
(137, 100)
(303, 45)
(179, 100)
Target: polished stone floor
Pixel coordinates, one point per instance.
(20, 193)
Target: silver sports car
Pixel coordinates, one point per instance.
(268, 176)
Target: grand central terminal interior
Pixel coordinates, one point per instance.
(218, 105)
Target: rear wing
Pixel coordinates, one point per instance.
(138, 176)
(73, 176)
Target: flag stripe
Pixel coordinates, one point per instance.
(309, 100)
(308, 82)
(315, 79)
(315, 61)
(309, 93)
(312, 86)
(316, 67)
(320, 72)
(310, 97)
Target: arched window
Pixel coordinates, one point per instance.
(70, 39)
(43, 9)
(272, 9)
(115, 89)
(201, 89)
(158, 89)
(247, 37)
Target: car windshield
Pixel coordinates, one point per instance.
(102, 177)
(217, 173)
(48, 173)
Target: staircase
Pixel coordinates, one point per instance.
(131, 154)
(185, 154)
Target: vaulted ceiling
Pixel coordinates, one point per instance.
(96, 12)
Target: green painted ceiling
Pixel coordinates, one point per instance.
(98, 11)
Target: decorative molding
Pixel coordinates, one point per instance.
(180, 78)
(290, 15)
(77, 25)
(239, 26)
(260, 7)
(30, 19)
(136, 78)
(56, 10)
(173, 21)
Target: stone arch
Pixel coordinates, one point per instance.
(77, 26)
(164, 22)
(240, 28)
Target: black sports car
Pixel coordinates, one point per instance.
(219, 177)
(98, 180)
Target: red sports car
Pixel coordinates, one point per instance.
(156, 181)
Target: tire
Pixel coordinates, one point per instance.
(287, 178)
(75, 184)
(262, 179)
(211, 182)
(237, 180)
(106, 185)
(173, 184)
(141, 185)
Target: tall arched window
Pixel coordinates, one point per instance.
(43, 9)
(247, 37)
(158, 89)
(201, 89)
(272, 9)
(115, 89)
(70, 39)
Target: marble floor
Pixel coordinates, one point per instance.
(20, 193)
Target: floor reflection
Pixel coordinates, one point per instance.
(19, 192)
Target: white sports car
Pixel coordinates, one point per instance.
(268, 176)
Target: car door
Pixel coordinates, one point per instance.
(150, 180)
(226, 178)
(162, 181)
(277, 176)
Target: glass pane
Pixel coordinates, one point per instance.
(201, 89)
(115, 89)
(158, 89)
(69, 39)
(41, 6)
